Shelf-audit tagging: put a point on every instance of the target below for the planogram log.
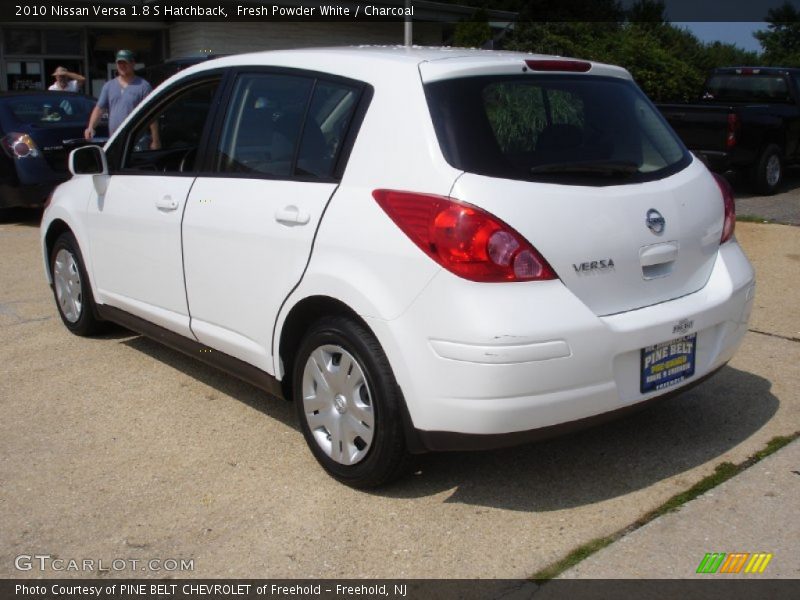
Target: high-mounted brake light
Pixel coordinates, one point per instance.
(733, 131)
(464, 239)
(729, 224)
(748, 71)
(19, 145)
(571, 66)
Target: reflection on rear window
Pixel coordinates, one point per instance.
(552, 128)
(747, 88)
(50, 109)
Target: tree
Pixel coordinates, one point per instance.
(663, 61)
(718, 54)
(781, 41)
(473, 33)
(669, 63)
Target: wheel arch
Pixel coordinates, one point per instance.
(777, 137)
(298, 321)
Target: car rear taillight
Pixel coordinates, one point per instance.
(570, 66)
(730, 208)
(733, 131)
(19, 145)
(464, 239)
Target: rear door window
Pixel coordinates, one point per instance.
(553, 128)
(326, 126)
(263, 126)
(285, 126)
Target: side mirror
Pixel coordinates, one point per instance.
(88, 160)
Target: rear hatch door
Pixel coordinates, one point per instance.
(598, 241)
(577, 159)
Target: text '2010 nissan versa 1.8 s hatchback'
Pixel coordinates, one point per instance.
(426, 249)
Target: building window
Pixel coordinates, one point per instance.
(63, 41)
(24, 75)
(23, 41)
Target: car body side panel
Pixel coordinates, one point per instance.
(241, 261)
(69, 204)
(360, 257)
(135, 243)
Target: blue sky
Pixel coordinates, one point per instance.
(737, 33)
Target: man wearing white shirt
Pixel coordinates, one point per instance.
(66, 81)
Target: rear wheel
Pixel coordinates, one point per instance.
(348, 403)
(71, 287)
(768, 172)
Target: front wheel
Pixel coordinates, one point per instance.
(768, 172)
(348, 404)
(71, 287)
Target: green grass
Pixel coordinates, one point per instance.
(722, 473)
(572, 559)
(773, 446)
(753, 219)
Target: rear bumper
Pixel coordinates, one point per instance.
(442, 441)
(485, 366)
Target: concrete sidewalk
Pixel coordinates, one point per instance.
(754, 512)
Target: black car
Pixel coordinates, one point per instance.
(747, 120)
(37, 132)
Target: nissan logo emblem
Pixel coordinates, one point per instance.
(655, 222)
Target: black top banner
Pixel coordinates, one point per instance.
(28, 12)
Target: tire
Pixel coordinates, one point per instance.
(71, 287)
(349, 404)
(767, 175)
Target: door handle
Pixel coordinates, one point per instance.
(167, 203)
(658, 254)
(291, 215)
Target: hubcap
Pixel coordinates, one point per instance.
(773, 170)
(67, 280)
(337, 404)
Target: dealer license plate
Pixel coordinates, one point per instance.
(668, 363)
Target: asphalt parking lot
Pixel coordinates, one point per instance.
(780, 208)
(118, 448)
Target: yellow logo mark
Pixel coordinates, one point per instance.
(758, 563)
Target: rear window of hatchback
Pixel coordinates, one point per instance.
(555, 128)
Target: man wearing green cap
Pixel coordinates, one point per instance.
(119, 96)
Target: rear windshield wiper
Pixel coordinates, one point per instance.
(594, 167)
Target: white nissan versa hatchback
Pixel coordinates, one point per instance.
(427, 249)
